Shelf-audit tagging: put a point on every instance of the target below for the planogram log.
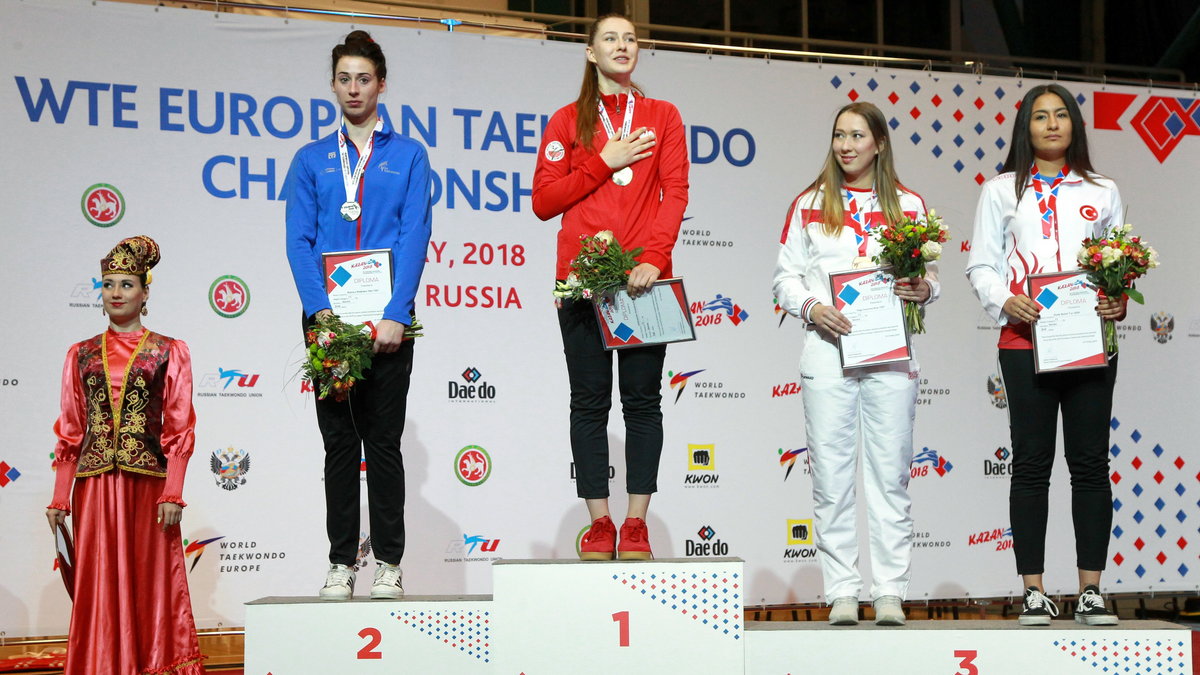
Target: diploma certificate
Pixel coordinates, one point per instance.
(878, 331)
(1068, 333)
(359, 284)
(656, 317)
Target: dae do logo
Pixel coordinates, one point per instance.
(472, 465)
(473, 388)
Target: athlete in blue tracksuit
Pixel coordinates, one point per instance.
(362, 187)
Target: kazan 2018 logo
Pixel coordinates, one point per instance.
(103, 205)
(472, 465)
(229, 468)
(229, 296)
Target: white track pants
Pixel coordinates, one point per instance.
(883, 399)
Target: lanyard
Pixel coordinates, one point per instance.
(625, 126)
(350, 180)
(862, 229)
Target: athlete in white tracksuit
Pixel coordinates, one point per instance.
(883, 397)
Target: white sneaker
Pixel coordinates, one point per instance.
(844, 611)
(1038, 609)
(889, 611)
(387, 584)
(339, 583)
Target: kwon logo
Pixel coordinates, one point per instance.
(788, 458)
(702, 466)
(1001, 538)
(708, 544)
(229, 468)
(679, 381)
(86, 294)
(999, 467)
(719, 309)
(471, 548)
(995, 390)
(224, 379)
(472, 465)
(799, 539)
(927, 460)
(102, 205)
(472, 389)
(229, 296)
(1160, 121)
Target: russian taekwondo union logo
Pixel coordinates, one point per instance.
(102, 205)
(472, 465)
(229, 296)
(229, 468)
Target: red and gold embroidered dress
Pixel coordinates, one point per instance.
(125, 434)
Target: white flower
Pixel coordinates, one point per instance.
(1153, 256)
(931, 250)
(322, 340)
(587, 294)
(606, 236)
(573, 280)
(1125, 229)
(1109, 255)
(1083, 257)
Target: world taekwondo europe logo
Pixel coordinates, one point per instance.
(787, 458)
(679, 381)
(195, 550)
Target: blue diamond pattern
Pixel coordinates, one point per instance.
(1117, 505)
(1137, 490)
(1117, 532)
(1159, 504)
(1114, 423)
(1160, 531)
(1181, 516)
(1138, 517)
(848, 295)
(872, 84)
(1115, 450)
(978, 127)
(958, 90)
(340, 276)
(914, 87)
(915, 138)
(958, 166)
(836, 82)
(1158, 451)
(937, 151)
(893, 123)
(1140, 571)
(1000, 143)
(1183, 570)
(1000, 167)
(999, 92)
(978, 153)
(958, 141)
(937, 126)
(1081, 99)
(1136, 435)
(1179, 489)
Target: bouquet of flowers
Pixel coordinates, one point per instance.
(1113, 263)
(600, 269)
(338, 353)
(906, 247)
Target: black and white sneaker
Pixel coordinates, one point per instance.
(1038, 608)
(1090, 609)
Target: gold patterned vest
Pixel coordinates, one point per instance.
(133, 443)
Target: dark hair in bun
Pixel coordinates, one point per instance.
(359, 43)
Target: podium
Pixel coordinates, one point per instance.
(550, 617)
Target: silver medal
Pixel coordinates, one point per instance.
(350, 211)
(623, 177)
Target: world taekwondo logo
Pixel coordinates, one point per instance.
(788, 458)
(679, 381)
(195, 549)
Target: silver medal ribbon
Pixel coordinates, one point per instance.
(607, 122)
(351, 180)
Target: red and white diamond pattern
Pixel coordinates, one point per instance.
(1128, 657)
(713, 599)
(467, 631)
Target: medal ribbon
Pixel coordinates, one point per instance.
(607, 122)
(862, 229)
(351, 180)
(1047, 203)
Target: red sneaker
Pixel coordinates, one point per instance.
(600, 540)
(635, 541)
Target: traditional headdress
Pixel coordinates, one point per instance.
(135, 255)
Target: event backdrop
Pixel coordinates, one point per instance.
(128, 119)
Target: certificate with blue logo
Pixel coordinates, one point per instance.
(658, 316)
(359, 284)
(878, 331)
(1068, 334)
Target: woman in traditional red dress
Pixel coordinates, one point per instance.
(125, 434)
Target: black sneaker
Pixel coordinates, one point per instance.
(1090, 609)
(1038, 608)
